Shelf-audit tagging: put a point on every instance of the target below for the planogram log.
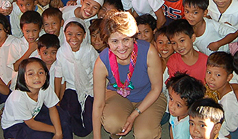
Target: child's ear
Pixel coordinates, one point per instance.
(154, 31)
(62, 22)
(193, 37)
(217, 128)
(205, 13)
(229, 77)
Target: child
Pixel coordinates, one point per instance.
(48, 45)
(210, 35)
(173, 10)
(165, 50)
(30, 110)
(53, 22)
(186, 59)
(75, 62)
(146, 26)
(43, 5)
(31, 23)
(183, 92)
(96, 41)
(205, 119)
(225, 12)
(20, 7)
(109, 5)
(218, 75)
(87, 11)
(6, 40)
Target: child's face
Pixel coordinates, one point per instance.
(145, 33)
(48, 55)
(31, 32)
(74, 36)
(52, 25)
(182, 43)
(35, 76)
(105, 8)
(43, 2)
(89, 8)
(224, 4)
(3, 35)
(26, 5)
(177, 106)
(96, 41)
(194, 15)
(217, 77)
(201, 128)
(164, 46)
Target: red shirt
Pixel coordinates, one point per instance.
(173, 9)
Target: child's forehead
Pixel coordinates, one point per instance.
(94, 2)
(53, 17)
(199, 119)
(25, 1)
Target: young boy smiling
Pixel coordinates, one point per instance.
(187, 59)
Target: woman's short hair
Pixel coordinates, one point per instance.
(115, 21)
(21, 81)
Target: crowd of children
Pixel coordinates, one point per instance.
(48, 52)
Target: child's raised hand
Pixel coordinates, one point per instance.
(214, 46)
(71, 2)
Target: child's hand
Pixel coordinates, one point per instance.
(71, 2)
(214, 46)
(56, 136)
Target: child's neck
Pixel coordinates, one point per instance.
(190, 58)
(224, 90)
(182, 117)
(33, 94)
(223, 9)
(199, 28)
(164, 63)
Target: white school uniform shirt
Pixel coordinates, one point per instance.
(68, 12)
(20, 107)
(15, 20)
(5, 71)
(143, 6)
(230, 15)
(15, 53)
(230, 106)
(214, 31)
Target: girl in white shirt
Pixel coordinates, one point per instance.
(24, 115)
(75, 63)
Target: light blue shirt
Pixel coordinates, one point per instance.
(180, 128)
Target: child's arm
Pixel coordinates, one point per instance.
(160, 17)
(58, 86)
(3, 88)
(54, 116)
(171, 133)
(214, 46)
(32, 47)
(39, 126)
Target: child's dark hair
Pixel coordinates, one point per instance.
(52, 12)
(221, 59)
(115, 3)
(48, 40)
(21, 81)
(95, 25)
(207, 108)
(179, 26)
(160, 31)
(31, 17)
(202, 4)
(5, 23)
(235, 62)
(76, 23)
(189, 88)
(146, 19)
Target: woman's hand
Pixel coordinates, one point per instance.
(128, 125)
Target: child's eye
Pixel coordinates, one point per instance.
(53, 53)
(181, 40)
(169, 42)
(202, 125)
(160, 42)
(208, 72)
(41, 72)
(88, 4)
(114, 41)
(46, 24)
(191, 123)
(95, 7)
(173, 43)
(21, 5)
(28, 4)
(170, 98)
(218, 74)
(125, 40)
(79, 34)
(195, 12)
(30, 74)
(178, 105)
